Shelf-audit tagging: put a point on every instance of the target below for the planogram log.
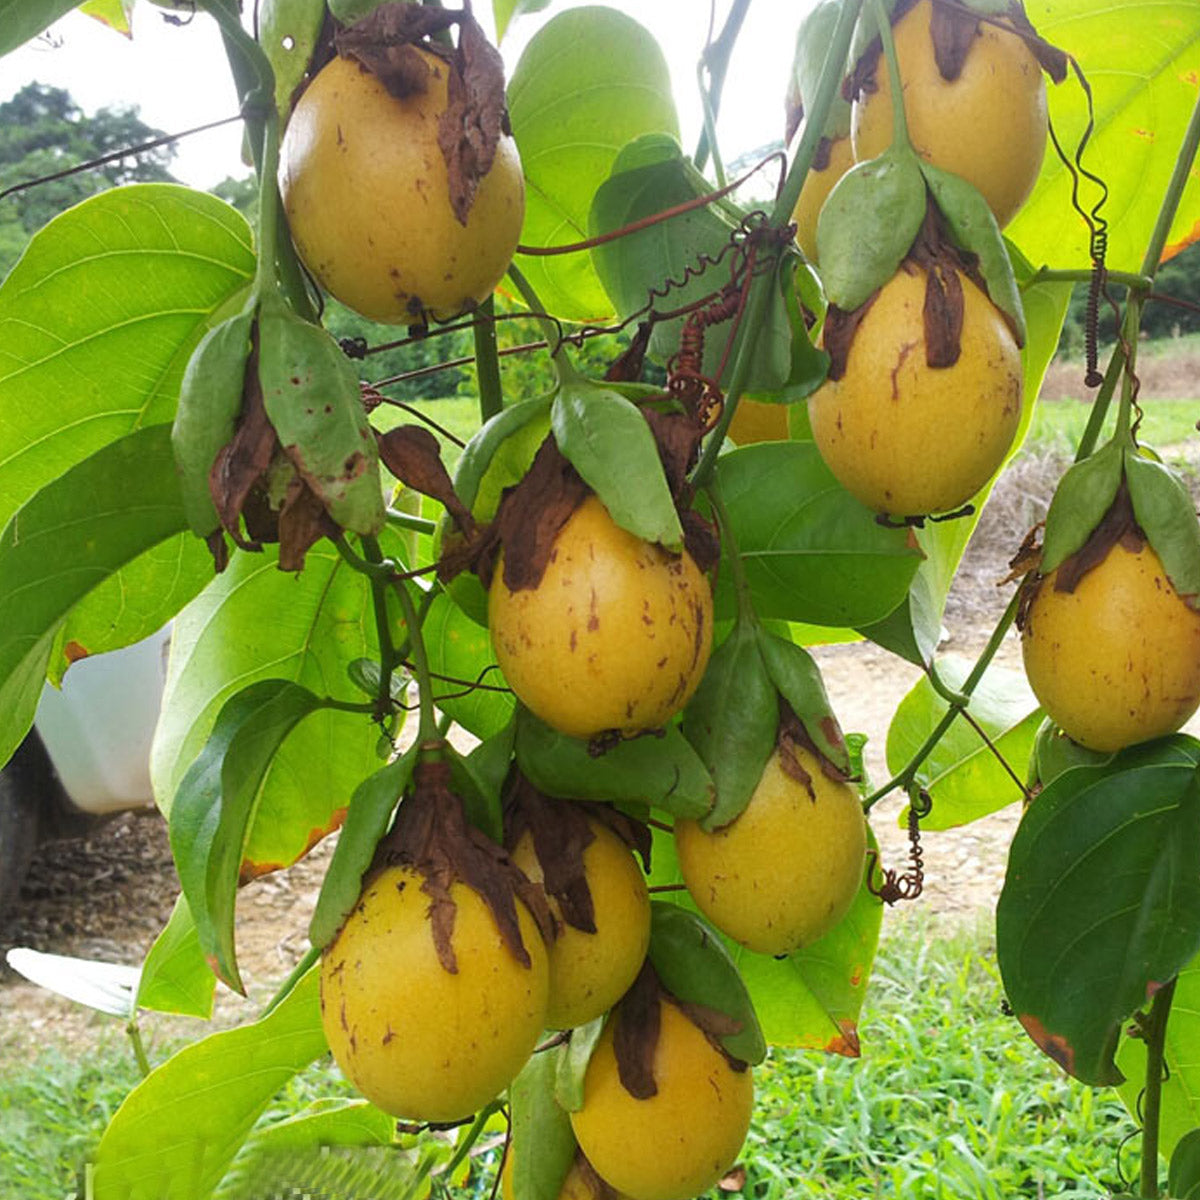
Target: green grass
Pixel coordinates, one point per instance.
(1057, 425)
(949, 1100)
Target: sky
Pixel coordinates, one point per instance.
(178, 77)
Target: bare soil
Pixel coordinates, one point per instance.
(106, 896)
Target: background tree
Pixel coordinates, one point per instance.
(43, 130)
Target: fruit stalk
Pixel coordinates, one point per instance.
(900, 138)
(427, 729)
(1155, 1032)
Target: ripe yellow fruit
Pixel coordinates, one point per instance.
(364, 185)
(682, 1140)
(909, 439)
(1116, 661)
(576, 1186)
(590, 972)
(817, 186)
(758, 421)
(988, 125)
(784, 872)
(416, 1040)
(616, 635)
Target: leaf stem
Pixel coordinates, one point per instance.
(1084, 275)
(564, 370)
(900, 137)
(403, 520)
(487, 361)
(139, 1049)
(482, 1117)
(427, 730)
(908, 775)
(1155, 1031)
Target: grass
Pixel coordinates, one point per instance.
(950, 1099)
(1057, 425)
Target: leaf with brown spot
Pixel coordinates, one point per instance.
(952, 31)
(475, 116)
(303, 522)
(1118, 525)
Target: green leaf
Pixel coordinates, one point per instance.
(573, 1059)
(868, 224)
(176, 1133)
(811, 551)
(214, 807)
(102, 313)
(590, 81)
(505, 11)
(175, 976)
(663, 772)
(1183, 1179)
(606, 439)
(1054, 753)
(543, 1143)
(487, 768)
(99, 516)
(254, 622)
(694, 966)
(974, 228)
(732, 721)
(367, 820)
(288, 33)
(812, 47)
(134, 602)
(1166, 512)
(21, 20)
(468, 686)
(1181, 1083)
(1144, 91)
(798, 680)
(1101, 902)
(210, 399)
(311, 394)
(113, 13)
(962, 775)
(810, 999)
(1083, 495)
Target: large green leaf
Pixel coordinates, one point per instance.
(1142, 60)
(1181, 1083)
(1101, 902)
(543, 1144)
(810, 999)
(98, 319)
(21, 20)
(591, 80)
(99, 516)
(176, 1133)
(134, 602)
(468, 686)
(812, 552)
(214, 806)
(254, 622)
(963, 775)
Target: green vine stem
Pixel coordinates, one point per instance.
(482, 1117)
(1155, 1032)
(1084, 275)
(908, 775)
(403, 520)
(302, 968)
(134, 1032)
(781, 215)
(564, 369)
(900, 137)
(716, 59)
(427, 729)
(388, 658)
(1096, 418)
(487, 361)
